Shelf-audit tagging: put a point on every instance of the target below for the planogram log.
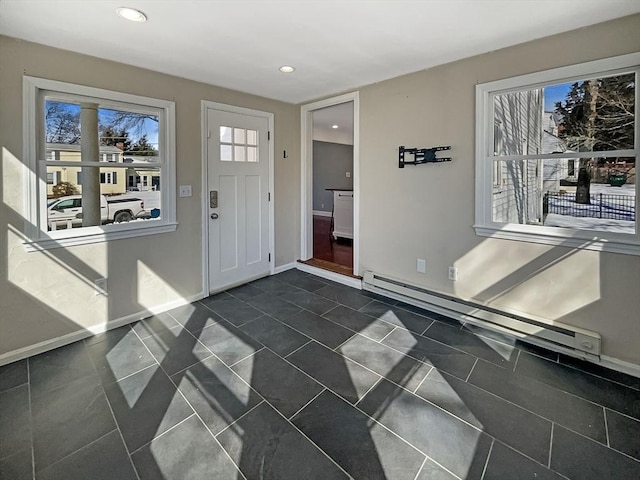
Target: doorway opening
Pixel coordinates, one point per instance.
(330, 184)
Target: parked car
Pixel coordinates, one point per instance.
(65, 211)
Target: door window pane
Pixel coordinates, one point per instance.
(225, 134)
(239, 154)
(225, 153)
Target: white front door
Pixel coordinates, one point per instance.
(237, 198)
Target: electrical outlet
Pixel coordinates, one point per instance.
(184, 191)
(453, 273)
(348, 174)
(100, 285)
(421, 265)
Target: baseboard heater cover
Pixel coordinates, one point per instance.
(584, 342)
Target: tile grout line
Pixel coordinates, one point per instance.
(136, 372)
(352, 405)
(106, 397)
(239, 418)
(471, 371)
(422, 381)
(359, 332)
(553, 424)
(519, 352)
(306, 404)
(392, 330)
(574, 395)
(244, 358)
(329, 311)
(420, 361)
(428, 327)
(515, 364)
(161, 435)
(444, 468)
(83, 447)
(370, 370)
(211, 355)
(343, 343)
(367, 392)
(420, 469)
(115, 421)
(606, 426)
(294, 351)
(597, 376)
(207, 426)
(584, 372)
(309, 439)
(486, 462)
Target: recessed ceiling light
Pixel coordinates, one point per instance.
(287, 69)
(131, 14)
(334, 126)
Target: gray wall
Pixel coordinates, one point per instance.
(427, 211)
(330, 163)
(49, 295)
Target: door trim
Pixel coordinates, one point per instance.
(208, 105)
(306, 156)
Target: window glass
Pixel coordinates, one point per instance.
(124, 187)
(560, 156)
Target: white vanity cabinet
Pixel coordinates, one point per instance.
(343, 213)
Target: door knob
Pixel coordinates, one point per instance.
(214, 216)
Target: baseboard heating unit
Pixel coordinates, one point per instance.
(556, 336)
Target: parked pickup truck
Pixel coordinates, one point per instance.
(67, 211)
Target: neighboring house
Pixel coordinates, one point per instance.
(140, 178)
(560, 169)
(517, 185)
(112, 181)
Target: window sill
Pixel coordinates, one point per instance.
(560, 238)
(97, 237)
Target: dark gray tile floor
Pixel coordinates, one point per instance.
(294, 376)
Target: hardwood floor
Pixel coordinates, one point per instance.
(326, 251)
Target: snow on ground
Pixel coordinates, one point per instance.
(605, 188)
(590, 223)
(607, 203)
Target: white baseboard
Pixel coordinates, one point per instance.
(620, 365)
(45, 346)
(284, 268)
(321, 213)
(336, 277)
(605, 361)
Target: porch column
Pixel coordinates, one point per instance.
(90, 152)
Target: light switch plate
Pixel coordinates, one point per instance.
(185, 190)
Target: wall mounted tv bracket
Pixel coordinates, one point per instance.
(421, 155)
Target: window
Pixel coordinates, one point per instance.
(556, 156)
(238, 145)
(114, 125)
(53, 178)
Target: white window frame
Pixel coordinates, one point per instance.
(485, 156)
(35, 179)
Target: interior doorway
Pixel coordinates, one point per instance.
(330, 184)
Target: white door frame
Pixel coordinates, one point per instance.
(208, 105)
(306, 221)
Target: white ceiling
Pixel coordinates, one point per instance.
(340, 115)
(335, 45)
